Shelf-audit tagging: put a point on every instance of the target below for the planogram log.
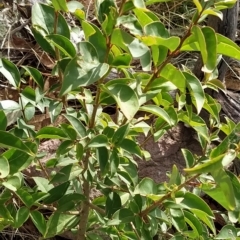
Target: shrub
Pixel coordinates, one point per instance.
(98, 151)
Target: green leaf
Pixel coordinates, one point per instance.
(21, 217)
(113, 203)
(212, 164)
(102, 155)
(139, 50)
(178, 220)
(227, 232)
(8, 140)
(98, 141)
(43, 184)
(63, 44)
(88, 52)
(81, 73)
(146, 186)
(189, 158)
(190, 201)
(121, 216)
(10, 72)
(13, 183)
(196, 91)
(211, 48)
(69, 131)
(126, 99)
(120, 134)
(227, 47)
(139, 3)
(40, 18)
(73, 6)
(18, 160)
(158, 111)
(77, 125)
(60, 5)
(3, 121)
(58, 223)
(67, 173)
(175, 178)
(56, 193)
(204, 218)
(131, 147)
(143, 16)
(224, 182)
(39, 221)
(55, 109)
(193, 222)
(68, 202)
(25, 197)
(96, 38)
(4, 167)
(51, 133)
(122, 60)
(36, 76)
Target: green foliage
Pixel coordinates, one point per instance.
(98, 151)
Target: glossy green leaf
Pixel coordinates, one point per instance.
(3, 121)
(143, 16)
(192, 201)
(130, 146)
(88, 52)
(8, 140)
(4, 167)
(67, 173)
(55, 109)
(113, 203)
(139, 3)
(146, 186)
(211, 48)
(178, 219)
(227, 232)
(123, 60)
(77, 125)
(25, 197)
(56, 193)
(120, 134)
(51, 133)
(81, 73)
(158, 111)
(10, 72)
(57, 223)
(126, 99)
(63, 44)
(98, 141)
(69, 131)
(18, 160)
(21, 217)
(102, 155)
(13, 183)
(227, 47)
(175, 178)
(196, 90)
(40, 18)
(193, 222)
(60, 5)
(39, 221)
(139, 50)
(36, 76)
(73, 6)
(96, 38)
(123, 215)
(43, 184)
(188, 157)
(201, 215)
(224, 182)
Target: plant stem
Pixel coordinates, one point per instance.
(85, 207)
(165, 197)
